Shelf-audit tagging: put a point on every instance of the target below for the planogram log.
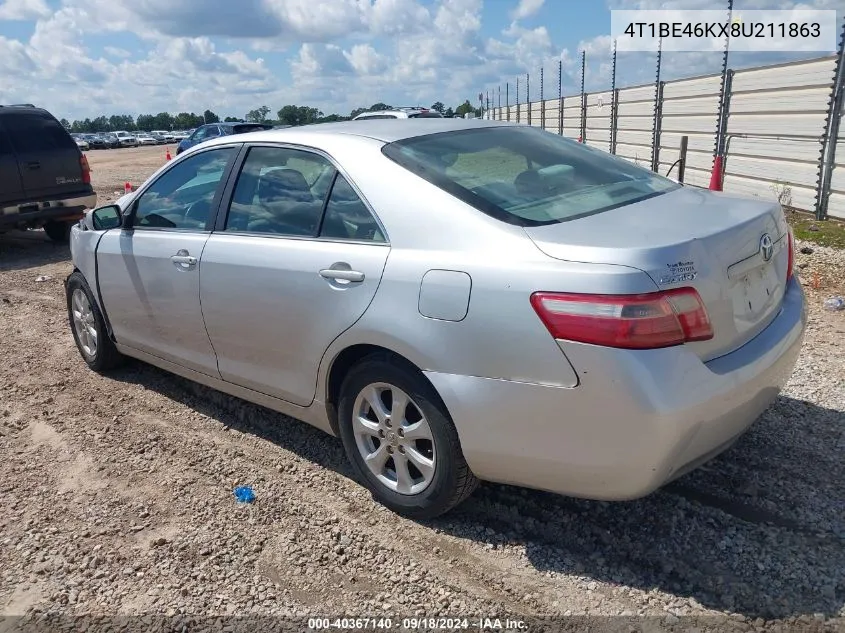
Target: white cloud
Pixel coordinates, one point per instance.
(526, 8)
(23, 9)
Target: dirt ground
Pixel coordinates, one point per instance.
(116, 498)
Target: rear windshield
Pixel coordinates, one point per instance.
(242, 129)
(525, 176)
(426, 115)
(37, 132)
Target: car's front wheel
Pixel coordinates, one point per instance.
(400, 439)
(89, 327)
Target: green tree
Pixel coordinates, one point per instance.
(438, 107)
(210, 117)
(65, 124)
(464, 108)
(232, 119)
(259, 115)
(298, 115)
(449, 112)
(145, 122)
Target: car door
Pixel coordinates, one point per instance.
(148, 273)
(287, 270)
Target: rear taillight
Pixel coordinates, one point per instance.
(642, 321)
(86, 169)
(790, 262)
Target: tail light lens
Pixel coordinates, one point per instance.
(642, 321)
(790, 262)
(86, 169)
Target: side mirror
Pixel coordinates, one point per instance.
(105, 218)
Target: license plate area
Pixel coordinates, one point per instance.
(755, 293)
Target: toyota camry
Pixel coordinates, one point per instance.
(457, 300)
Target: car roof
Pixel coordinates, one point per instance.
(385, 130)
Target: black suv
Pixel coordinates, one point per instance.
(46, 180)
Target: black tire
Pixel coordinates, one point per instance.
(59, 232)
(452, 481)
(106, 356)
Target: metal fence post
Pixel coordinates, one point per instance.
(528, 96)
(682, 158)
(831, 132)
(560, 96)
(583, 137)
(517, 100)
(542, 102)
(507, 101)
(613, 95)
(614, 121)
(658, 106)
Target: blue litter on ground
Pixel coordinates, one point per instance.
(244, 494)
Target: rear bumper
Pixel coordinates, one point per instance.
(637, 420)
(30, 213)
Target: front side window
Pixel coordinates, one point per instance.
(526, 176)
(182, 197)
(276, 192)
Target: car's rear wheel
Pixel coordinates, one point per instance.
(58, 231)
(400, 439)
(89, 327)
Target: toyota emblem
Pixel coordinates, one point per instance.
(767, 247)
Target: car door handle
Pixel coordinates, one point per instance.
(342, 275)
(190, 260)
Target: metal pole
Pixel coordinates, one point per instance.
(583, 98)
(658, 102)
(560, 96)
(722, 92)
(682, 158)
(613, 96)
(542, 102)
(528, 95)
(831, 133)
(507, 101)
(517, 99)
(500, 102)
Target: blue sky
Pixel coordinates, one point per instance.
(83, 58)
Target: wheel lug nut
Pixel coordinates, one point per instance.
(381, 432)
(387, 422)
(402, 449)
(400, 432)
(390, 450)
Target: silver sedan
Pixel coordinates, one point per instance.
(458, 300)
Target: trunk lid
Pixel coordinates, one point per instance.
(733, 251)
(48, 157)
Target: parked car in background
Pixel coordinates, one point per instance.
(96, 141)
(159, 138)
(145, 138)
(182, 135)
(81, 142)
(400, 113)
(125, 139)
(112, 142)
(213, 130)
(458, 300)
(167, 136)
(45, 180)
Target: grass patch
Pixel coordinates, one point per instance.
(830, 232)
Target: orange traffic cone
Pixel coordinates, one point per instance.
(167, 155)
(127, 187)
(716, 176)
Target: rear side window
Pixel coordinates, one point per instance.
(243, 129)
(37, 132)
(5, 145)
(427, 115)
(526, 176)
(377, 116)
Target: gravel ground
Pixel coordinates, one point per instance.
(117, 499)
